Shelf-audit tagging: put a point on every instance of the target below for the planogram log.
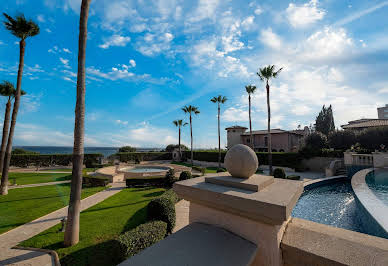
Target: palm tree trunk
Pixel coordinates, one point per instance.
(5, 131)
(269, 133)
(191, 135)
(72, 225)
(219, 138)
(250, 123)
(179, 143)
(7, 157)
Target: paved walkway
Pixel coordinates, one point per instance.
(40, 184)
(9, 256)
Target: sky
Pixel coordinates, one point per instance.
(145, 60)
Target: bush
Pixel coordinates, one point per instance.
(127, 149)
(143, 156)
(89, 163)
(341, 139)
(371, 139)
(145, 235)
(316, 140)
(170, 194)
(293, 177)
(162, 209)
(144, 182)
(172, 147)
(279, 173)
(170, 178)
(22, 151)
(221, 170)
(91, 181)
(185, 175)
(199, 169)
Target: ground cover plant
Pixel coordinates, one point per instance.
(23, 205)
(100, 226)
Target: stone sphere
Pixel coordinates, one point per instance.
(241, 161)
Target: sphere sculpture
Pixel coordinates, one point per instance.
(241, 161)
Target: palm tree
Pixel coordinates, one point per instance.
(189, 109)
(21, 28)
(179, 123)
(73, 214)
(250, 90)
(265, 74)
(219, 100)
(7, 90)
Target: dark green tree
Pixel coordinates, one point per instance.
(127, 149)
(324, 122)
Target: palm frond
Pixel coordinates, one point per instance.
(20, 27)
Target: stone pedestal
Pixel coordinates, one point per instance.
(257, 209)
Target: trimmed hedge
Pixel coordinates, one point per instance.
(145, 235)
(24, 160)
(143, 156)
(279, 173)
(162, 209)
(142, 182)
(170, 194)
(170, 178)
(91, 181)
(185, 175)
(293, 177)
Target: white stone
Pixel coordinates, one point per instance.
(241, 161)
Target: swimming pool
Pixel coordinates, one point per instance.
(377, 181)
(332, 204)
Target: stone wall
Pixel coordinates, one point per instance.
(317, 164)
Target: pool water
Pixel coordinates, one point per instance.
(144, 170)
(377, 181)
(333, 204)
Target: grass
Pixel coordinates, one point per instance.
(23, 205)
(208, 170)
(98, 226)
(35, 178)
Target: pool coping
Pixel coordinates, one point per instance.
(369, 201)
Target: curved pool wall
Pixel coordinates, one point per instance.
(136, 171)
(374, 213)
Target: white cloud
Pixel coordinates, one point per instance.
(271, 39)
(138, 27)
(132, 62)
(205, 10)
(66, 50)
(248, 22)
(303, 15)
(48, 30)
(300, 109)
(235, 114)
(258, 11)
(120, 122)
(53, 50)
(64, 61)
(115, 40)
(40, 18)
(153, 44)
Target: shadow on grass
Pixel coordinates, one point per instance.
(116, 206)
(137, 218)
(58, 196)
(154, 194)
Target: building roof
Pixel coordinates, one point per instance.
(273, 131)
(365, 123)
(235, 127)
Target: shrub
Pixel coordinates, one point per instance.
(145, 235)
(163, 209)
(371, 139)
(170, 194)
(127, 149)
(143, 182)
(316, 140)
(341, 139)
(171, 147)
(185, 175)
(89, 163)
(170, 177)
(221, 170)
(199, 169)
(279, 173)
(22, 151)
(91, 181)
(293, 177)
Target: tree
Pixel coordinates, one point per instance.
(172, 147)
(341, 139)
(22, 29)
(179, 123)
(127, 149)
(8, 90)
(250, 89)
(72, 224)
(324, 122)
(191, 110)
(316, 141)
(220, 100)
(266, 74)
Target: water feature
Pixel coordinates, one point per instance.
(377, 181)
(146, 169)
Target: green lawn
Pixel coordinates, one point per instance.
(23, 205)
(99, 225)
(35, 178)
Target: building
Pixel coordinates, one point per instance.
(382, 112)
(282, 140)
(365, 123)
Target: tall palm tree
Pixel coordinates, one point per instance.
(219, 100)
(7, 90)
(179, 123)
(250, 90)
(191, 110)
(73, 214)
(265, 74)
(22, 29)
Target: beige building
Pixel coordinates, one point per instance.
(382, 112)
(365, 123)
(282, 140)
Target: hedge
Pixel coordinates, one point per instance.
(142, 182)
(162, 209)
(145, 235)
(91, 181)
(24, 160)
(279, 173)
(143, 156)
(170, 194)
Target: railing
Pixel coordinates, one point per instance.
(362, 159)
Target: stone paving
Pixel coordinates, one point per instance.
(9, 256)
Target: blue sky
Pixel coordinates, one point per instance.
(147, 59)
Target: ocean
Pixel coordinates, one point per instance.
(106, 151)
